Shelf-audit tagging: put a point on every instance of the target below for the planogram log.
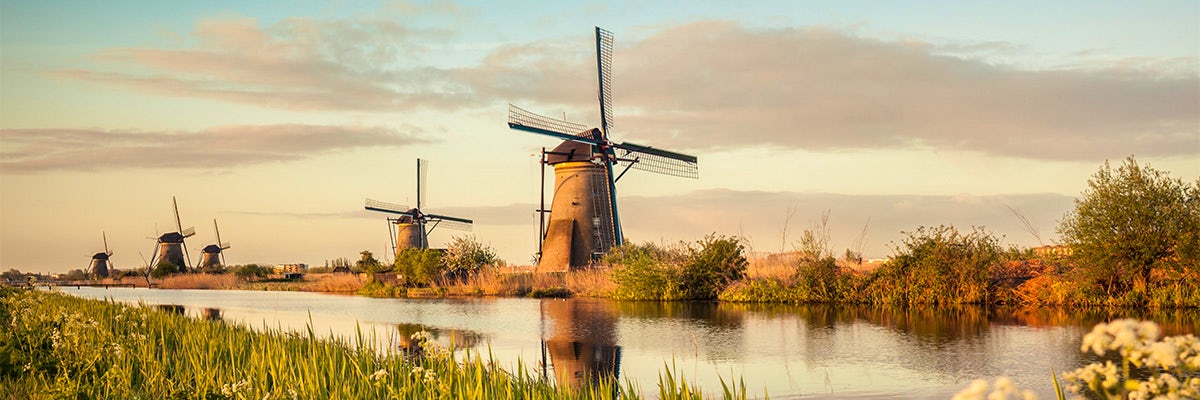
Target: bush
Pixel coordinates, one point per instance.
(419, 267)
(466, 256)
(937, 266)
(690, 272)
(1131, 223)
(251, 271)
(163, 269)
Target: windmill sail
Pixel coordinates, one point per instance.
(413, 225)
(572, 220)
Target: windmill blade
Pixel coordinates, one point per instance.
(604, 47)
(178, 224)
(217, 230)
(521, 119)
(189, 232)
(381, 206)
(105, 237)
(224, 245)
(422, 181)
(657, 160)
(460, 224)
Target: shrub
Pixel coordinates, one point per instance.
(466, 256)
(937, 266)
(251, 271)
(163, 269)
(690, 272)
(419, 267)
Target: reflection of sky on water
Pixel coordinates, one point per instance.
(784, 351)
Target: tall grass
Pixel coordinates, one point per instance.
(199, 281)
(56, 346)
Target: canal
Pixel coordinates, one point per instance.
(822, 351)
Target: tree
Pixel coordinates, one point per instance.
(465, 256)
(1130, 222)
(251, 271)
(368, 264)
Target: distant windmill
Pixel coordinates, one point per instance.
(413, 225)
(213, 255)
(101, 265)
(584, 223)
(170, 245)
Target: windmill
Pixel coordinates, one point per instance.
(584, 222)
(170, 246)
(213, 255)
(412, 226)
(100, 265)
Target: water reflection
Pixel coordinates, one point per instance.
(171, 308)
(212, 314)
(582, 343)
(457, 339)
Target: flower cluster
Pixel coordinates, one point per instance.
(430, 348)
(1003, 389)
(229, 390)
(1170, 364)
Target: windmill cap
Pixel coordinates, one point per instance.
(100, 256)
(570, 150)
(172, 237)
(212, 248)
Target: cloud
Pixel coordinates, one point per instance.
(717, 85)
(702, 86)
(32, 150)
(296, 64)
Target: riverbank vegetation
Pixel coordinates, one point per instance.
(57, 346)
(1132, 240)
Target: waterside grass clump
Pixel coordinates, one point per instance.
(57, 346)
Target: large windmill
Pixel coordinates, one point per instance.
(101, 265)
(213, 255)
(412, 226)
(170, 246)
(584, 222)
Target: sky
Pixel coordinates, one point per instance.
(277, 118)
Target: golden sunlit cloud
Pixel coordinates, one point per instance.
(33, 150)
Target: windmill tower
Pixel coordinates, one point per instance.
(412, 226)
(170, 246)
(213, 255)
(584, 222)
(101, 265)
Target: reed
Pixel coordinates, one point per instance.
(58, 346)
(199, 281)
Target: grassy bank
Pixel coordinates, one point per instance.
(58, 346)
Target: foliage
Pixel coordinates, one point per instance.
(1149, 367)
(57, 346)
(689, 272)
(466, 256)
(379, 289)
(937, 266)
(419, 267)
(1130, 223)
(367, 263)
(163, 269)
(251, 271)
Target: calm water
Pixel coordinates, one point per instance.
(784, 351)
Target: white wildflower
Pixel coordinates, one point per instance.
(430, 377)
(378, 375)
(1003, 389)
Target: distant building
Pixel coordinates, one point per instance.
(291, 268)
(1052, 251)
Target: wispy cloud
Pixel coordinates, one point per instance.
(715, 85)
(707, 85)
(31, 150)
(297, 64)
